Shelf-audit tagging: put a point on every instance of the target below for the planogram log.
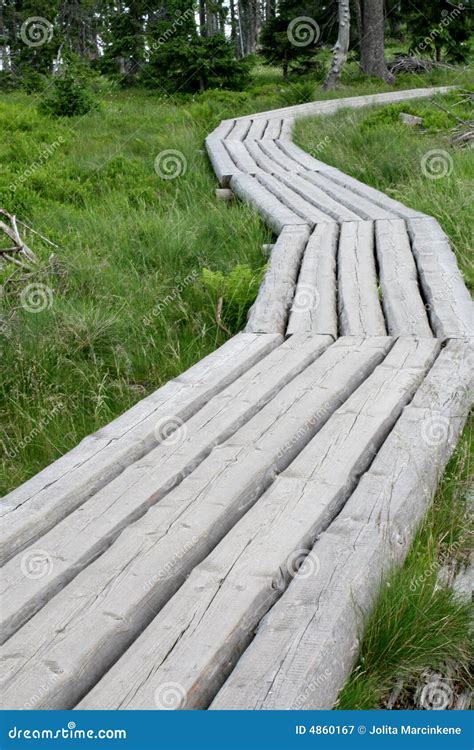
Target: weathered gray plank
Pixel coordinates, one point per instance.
(306, 646)
(274, 212)
(314, 307)
(278, 156)
(108, 604)
(222, 130)
(70, 545)
(43, 501)
(242, 157)
(404, 308)
(318, 197)
(256, 130)
(359, 306)
(264, 162)
(240, 129)
(270, 310)
(450, 307)
(286, 129)
(273, 129)
(363, 207)
(310, 213)
(223, 165)
(198, 636)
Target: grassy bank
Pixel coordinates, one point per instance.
(419, 627)
(122, 306)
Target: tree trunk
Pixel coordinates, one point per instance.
(202, 18)
(372, 43)
(341, 48)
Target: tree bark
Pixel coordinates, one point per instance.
(372, 43)
(341, 48)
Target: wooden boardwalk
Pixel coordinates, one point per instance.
(218, 545)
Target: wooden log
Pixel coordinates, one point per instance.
(306, 646)
(221, 162)
(270, 310)
(286, 129)
(448, 300)
(303, 208)
(102, 611)
(256, 130)
(240, 129)
(278, 156)
(222, 130)
(404, 308)
(224, 194)
(41, 502)
(70, 545)
(264, 162)
(314, 307)
(199, 635)
(359, 306)
(364, 208)
(319, 198)
(241, 156)
(273, 211)
(273, 129)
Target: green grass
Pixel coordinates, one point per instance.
(376, 148)
(129, 309)
(416, 624)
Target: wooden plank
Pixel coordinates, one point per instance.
(241, 156)
(359, 306)
(256, 130)
(199, 635)
(404, 308)
(265, 162)
(314, 306)
(222, 130)
(302, 158)
(273, 129)
(41, 502)
(304, 649)
(273, 211)
(286, 129)
(70, 545)
(240, 129)
(293, 201)
(101, 612)
(365, 209)
(449, 302)
(278, 156)
(322, 200)
(221, 162)
(270, 310)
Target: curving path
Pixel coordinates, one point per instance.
(219, 544)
